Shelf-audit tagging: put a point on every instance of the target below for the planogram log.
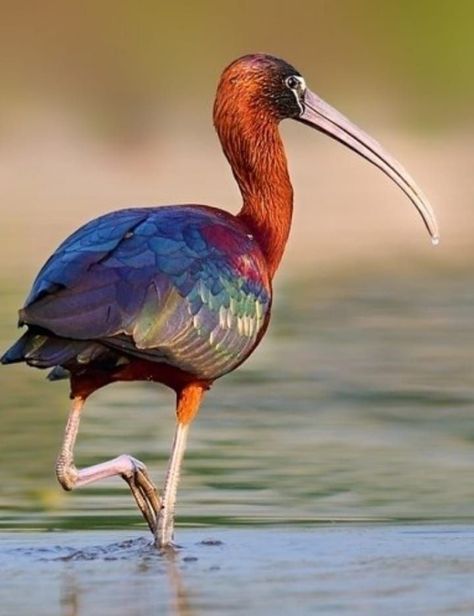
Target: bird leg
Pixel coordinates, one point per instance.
(130, 469)
(189, 400)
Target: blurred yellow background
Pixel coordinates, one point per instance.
(105, 105)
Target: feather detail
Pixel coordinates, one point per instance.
(184, 285)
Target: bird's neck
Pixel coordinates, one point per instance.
(257, 157)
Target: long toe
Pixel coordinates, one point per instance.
(144, 491)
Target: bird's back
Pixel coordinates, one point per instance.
(186, 286)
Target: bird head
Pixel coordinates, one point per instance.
(266, 90)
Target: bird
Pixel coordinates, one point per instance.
(182, 294)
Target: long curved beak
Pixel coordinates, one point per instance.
(323, 117)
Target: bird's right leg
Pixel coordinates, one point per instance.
(130, 469)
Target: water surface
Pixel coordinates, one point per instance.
(359, 569)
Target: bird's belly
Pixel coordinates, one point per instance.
(186, 364)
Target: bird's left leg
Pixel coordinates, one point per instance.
(189, 400)
(130, 469)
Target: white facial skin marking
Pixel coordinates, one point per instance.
(297, 89)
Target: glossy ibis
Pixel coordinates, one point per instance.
(182, 294)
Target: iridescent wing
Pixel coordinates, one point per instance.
(185, 285)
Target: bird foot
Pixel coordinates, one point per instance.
(143, 490)
(133, 471)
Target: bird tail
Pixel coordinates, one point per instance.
(18, 352)
(43, 350)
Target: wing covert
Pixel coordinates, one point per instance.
(173, 284)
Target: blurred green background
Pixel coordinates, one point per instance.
(125, 64)
(105, 105)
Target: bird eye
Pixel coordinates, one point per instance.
(294, 83)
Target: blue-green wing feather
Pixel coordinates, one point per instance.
(185, 285)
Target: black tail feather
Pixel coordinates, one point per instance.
(58, 373)
(46, 351)
(16, 353)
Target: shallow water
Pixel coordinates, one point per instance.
(344, 569)
(357, 408)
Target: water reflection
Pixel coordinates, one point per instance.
(158, 580)
(358, 406)
(346, 569)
